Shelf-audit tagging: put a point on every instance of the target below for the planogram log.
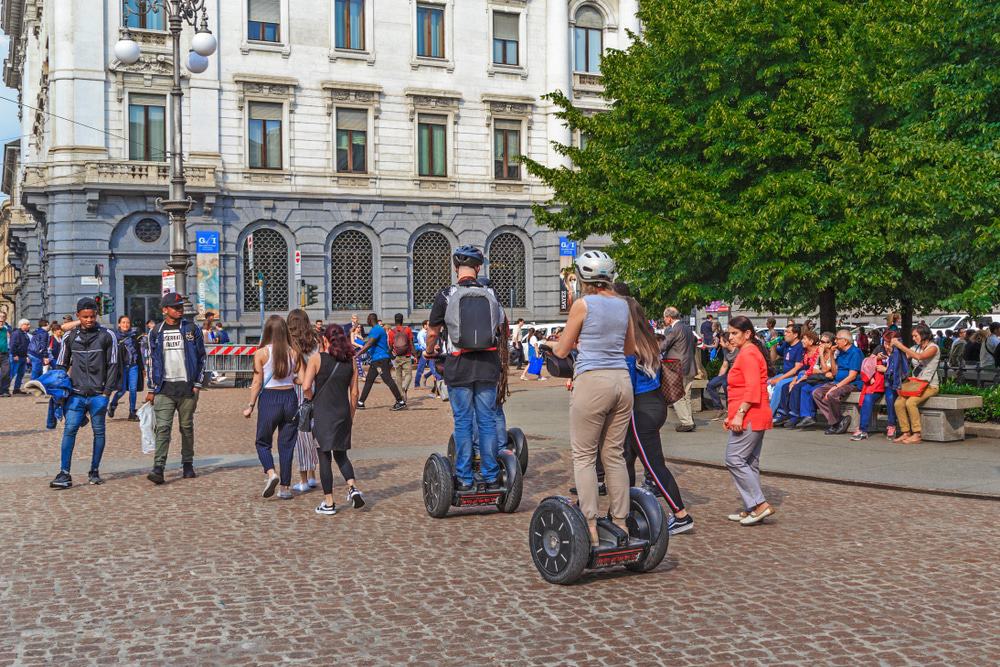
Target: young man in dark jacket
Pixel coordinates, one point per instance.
(89, 356)
(176, 364)
(19, 341)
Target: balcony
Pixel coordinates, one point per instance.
(587, 84)
(115, 173)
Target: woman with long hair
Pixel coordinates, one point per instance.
(331, 382)
(649, 414)
(305, 340)
(275, 364)
(925, 356)
(749, 417)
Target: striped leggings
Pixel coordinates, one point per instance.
(276, 410)
(642, 441)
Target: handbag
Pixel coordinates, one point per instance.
(671, 381)
(304, 415)
(556, 367)
(816, 378)
(913, 387)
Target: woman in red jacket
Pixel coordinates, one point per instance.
(749, 417)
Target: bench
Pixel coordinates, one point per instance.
(942, 417)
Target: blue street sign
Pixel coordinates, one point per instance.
(207, 242)
(567, 248)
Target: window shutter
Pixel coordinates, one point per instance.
(352, 119)
(265, 111)
(508, 125)
(265, 11)
(432, 119)
(147, 100)
(505, 26)
(588, 17)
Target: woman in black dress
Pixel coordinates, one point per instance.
(331, 382)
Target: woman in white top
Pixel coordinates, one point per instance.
(924, 357)
(275, 365)
(305, 342)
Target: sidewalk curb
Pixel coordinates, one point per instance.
(846, 482)
(983, 430)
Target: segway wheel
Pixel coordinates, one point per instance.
(518, 444)
(439, 485)
(452, 451)
(559, 540)
(512, 480)
(647, 521)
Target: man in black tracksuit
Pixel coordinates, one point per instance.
(89, 356)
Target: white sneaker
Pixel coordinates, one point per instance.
(285, 495)
(355, 498)
(270, 486)
(301, 487)
(328, 510)
(312, 483)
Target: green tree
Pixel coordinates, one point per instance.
(791, 154)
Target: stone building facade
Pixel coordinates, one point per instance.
(366, 137)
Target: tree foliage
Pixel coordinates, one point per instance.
(784, 152)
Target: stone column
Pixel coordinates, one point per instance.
(628, 20)
(557, 73)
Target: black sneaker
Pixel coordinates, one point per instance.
(189, 472)
(111, 411)
(328, 510)
(682, 525)
(132, 417)
(400, 405)
(780, 421)
(94, 478)
(682, 428)
(843, 426)
(355, 498)
(791, 423)
(156, 475)
(806, 423)
(360, 405)
(62, 481)
(495, 485)
(463, 487)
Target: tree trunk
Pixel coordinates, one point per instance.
(906, 326)
(828, 310)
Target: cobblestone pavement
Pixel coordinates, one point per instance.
(206, 572)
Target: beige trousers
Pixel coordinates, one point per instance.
(683, 406)
(907, 410)
(599, 415)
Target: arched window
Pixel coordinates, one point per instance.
(351, 272)
(265, 252)
(431, 267)
(588, 40)
(507, 269)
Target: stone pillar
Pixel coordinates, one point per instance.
(557, 73)
(628, 20)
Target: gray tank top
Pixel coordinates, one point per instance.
(927, 370)
(601, 343)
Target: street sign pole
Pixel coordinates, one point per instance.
(260, 297)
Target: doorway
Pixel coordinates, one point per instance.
(142, 299)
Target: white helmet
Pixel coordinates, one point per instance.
(594, 266)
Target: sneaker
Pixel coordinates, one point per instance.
(400, 405)
(756, 517)
(682, 525)
(463, 487)
(719, 417)
(360, 405)
(285, 495)
(328, 510)
(269, 486)
(94, 477)
(189, 472)
(301, 487)
(132, 417)
(355, 498)
(791, 423)
(857, 437)
(778, 421)
(806, 422)
(495, 485)
(62, 481)
(684, 428)
(738, 516)
(312, 483)
(841, 427)
(111, 411)
(156, 475)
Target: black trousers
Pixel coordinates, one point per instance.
(4, 372)
(643, 442)
(326, 469)
(382, 367)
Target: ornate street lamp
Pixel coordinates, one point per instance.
(203, 45)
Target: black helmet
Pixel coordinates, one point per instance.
(468, 255)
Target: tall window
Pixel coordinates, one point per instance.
(352, 141)
(350, 24)
(267, 255)
(506, 255)
(151, 19)
(265, 135)
(505, 37)
(506, 149)
(431, 267)
(588, 40)
(147, 128)
(264, 24)
(432, 145)
(351, 274)
(430, 31)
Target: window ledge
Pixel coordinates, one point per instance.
(499, 68)
(265, 47)
(500, 185)
(436, 182)
(442, 63)
(252, 175)
(352, 54)
(352, 180)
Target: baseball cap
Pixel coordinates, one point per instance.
(86, 303)
(171, 300)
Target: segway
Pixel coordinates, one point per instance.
(441, 492)
(560, 541)
(517, 442)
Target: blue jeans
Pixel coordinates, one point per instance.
(37, 366)
(715, 385)
(130, 383)
(800, 401)
(17, 368)
(475, 401)
(867, 408)
(422, 363)
(76, 407)
(776, 394)
(890, 406)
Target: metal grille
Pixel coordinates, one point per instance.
(351, 272)
(148, 230)
(507, 269)
(270, 257)
(431, 268)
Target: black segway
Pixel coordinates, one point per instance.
(517, 442)
(560, 542)
(440, 487)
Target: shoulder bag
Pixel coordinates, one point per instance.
(671, 381)
(304, 416)
(913, 387)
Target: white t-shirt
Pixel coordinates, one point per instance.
(173, 355)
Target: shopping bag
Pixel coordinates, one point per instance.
(147, 425)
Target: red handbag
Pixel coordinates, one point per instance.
(913, 387)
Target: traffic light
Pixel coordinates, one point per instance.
(108, 305)
(312, 295)
(99, 300)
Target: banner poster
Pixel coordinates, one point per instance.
(208, 272)
(567, 274)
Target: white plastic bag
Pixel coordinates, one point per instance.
(147, 424)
